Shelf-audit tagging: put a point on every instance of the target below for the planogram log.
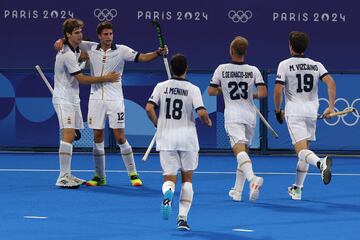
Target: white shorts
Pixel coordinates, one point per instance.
(99, 110)
(301, 128)
(69, 115)
(239, 133)
(172, 161)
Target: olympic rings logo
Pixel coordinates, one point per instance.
(105, 14)
(349, 119)
(240, 16)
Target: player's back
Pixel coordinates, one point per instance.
(237, 81)
(301, 76)
(176, 125)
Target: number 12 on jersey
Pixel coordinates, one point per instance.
(174, 109)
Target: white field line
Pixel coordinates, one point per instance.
(197, 172)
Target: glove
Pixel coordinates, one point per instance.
(279, 116)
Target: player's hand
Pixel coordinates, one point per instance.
(279, 116)
(58, 45)
(162, 51)
(112, 77)
(328, 112)
(84, 56)
(209, 123)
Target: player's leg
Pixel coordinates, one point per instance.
(189, 162)
(240, 136)
(127, 156)
(66, 117)
(236, 192)
(170, 163)
(117, 123)
(99, 159)
(303, 130)
(96, 121)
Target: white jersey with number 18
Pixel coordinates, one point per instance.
(177, 99)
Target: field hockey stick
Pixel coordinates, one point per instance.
(43, 77)
(340, 113)
(156, 24)
(266, 123)
(160, 37)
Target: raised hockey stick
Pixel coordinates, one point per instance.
(334, 114)
(160, 37)
(42, 75)
(156, 24)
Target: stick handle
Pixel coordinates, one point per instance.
(334, 114)
(44, 78)
(149, 148)
(166, 63)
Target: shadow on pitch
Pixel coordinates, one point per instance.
(216, 236)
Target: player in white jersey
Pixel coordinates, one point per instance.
(107, 100)
(176, 136)
(66, 99)
(300, 76)
(236, 81)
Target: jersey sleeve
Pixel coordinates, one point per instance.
(281, 74)
(129, 54)
(197, 99)
(85, 46)
(155, 96)
(216, 79)
(72, 64)
(259, 81)
(322, 71)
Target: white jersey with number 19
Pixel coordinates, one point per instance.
(177, 99)
(300, 75)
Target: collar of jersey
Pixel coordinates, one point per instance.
(177, 78)
(113, 46)
(72, 48)
(238, 63)
(299, 56)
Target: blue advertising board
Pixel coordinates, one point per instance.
(28, 119)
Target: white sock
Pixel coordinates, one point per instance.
(309, 156)
(99, 159)
(65, 153)
(244, 164)
(301, 172)
(168, 185)
(186, 197)
(240, 180)
(128, 157)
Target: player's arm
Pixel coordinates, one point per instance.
(150, 111)
(261, 92)
(147, 57)
(85, 79)
(278, 96)
(277, 102)
(331, 86)
(214, 90)
(204, 116)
